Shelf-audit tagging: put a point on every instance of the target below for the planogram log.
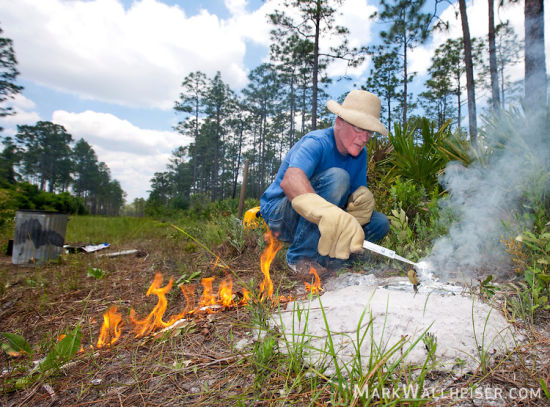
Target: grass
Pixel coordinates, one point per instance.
(113, 230)
(199, 363)
(376, 377)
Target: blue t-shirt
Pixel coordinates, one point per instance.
(315, 153)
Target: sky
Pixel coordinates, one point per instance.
(110, 71)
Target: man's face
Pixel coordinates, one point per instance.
(350, 139)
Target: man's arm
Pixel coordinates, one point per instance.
(295, 182)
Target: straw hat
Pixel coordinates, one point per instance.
(360, 108)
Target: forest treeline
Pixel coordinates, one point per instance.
(42, 158)
(285, 98)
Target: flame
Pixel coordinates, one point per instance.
(285, 298)
(246, 297)
(273, 246)
(315, 286)
(110, 330)
(154, 319)
(189, 294)
(207, 297)
(225, 292)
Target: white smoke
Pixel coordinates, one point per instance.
(496, 195)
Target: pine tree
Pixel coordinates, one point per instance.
(316, 23)
(409, 26)
(468, 61)
(8, 75)
(46, 153)
(384, 77)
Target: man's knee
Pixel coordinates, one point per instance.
(333, 185)
(377, 228)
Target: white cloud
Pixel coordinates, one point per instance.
(136, 56)
(132, 154)
(236, 7)
(355, 17)
(24, 114)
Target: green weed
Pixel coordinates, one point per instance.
(187, 278)
(60, 353)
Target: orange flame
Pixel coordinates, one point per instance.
(207, 297)
(273, 246)
(189, 293)
(225, 292)
(246, 297)
(285, 298)
(154, 319)
(110, 330)
(315, 286)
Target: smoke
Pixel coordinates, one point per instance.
(496, 195)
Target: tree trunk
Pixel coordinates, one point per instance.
(216, 169)
(315, 68)
(535, 64)
(502, 100)
(195, 152)
(470, 85)
(292, 113)
(459, 101)
(243, 190)
(405, 81)
(389, 114)
(304, 99)
(493, 57)
(239, 153)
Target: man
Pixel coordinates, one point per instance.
(319, 201)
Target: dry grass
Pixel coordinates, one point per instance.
(195, 364)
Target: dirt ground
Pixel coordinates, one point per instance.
(195, 364)
(201, 362)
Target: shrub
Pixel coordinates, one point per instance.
(416, 156)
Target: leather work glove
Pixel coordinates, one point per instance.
(361, 205)
(341, 234)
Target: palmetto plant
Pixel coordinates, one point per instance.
(416, 155)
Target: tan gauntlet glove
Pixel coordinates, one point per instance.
(361, 205)
(341, 234)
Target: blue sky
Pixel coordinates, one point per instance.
(110, 70)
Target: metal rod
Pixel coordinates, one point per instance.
(385, 252)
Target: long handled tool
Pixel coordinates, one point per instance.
(386, 252)
(412, 275)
